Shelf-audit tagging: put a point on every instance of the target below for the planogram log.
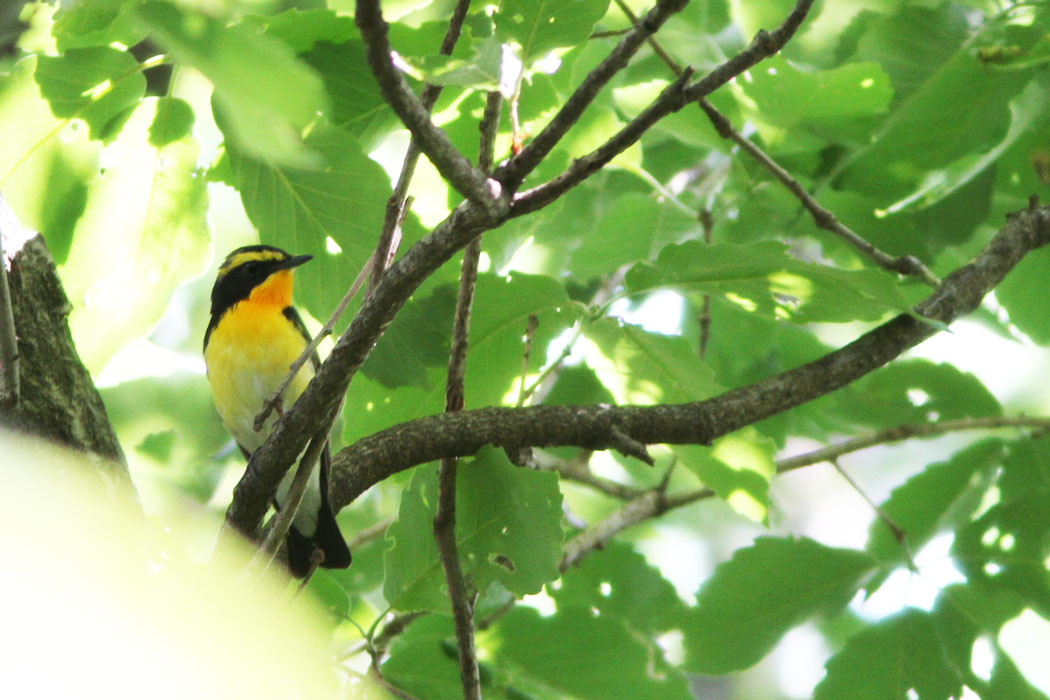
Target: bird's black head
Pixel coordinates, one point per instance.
(245, 269)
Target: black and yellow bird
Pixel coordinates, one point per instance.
(254, 336)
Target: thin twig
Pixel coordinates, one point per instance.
(470, 182)
(823, 218)
(286, 514)
(445, 513)
(9, 374)
(649, 504)
(377, 676)
(705, 306)
(530, 330)
(399, 202)
(576, 470)
(363, 537)
(673, 98)
(512, 173)
(897, 532)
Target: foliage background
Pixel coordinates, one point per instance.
(919, 124)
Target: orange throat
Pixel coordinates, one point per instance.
(275, 291)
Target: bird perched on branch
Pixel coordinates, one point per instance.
(254, 336)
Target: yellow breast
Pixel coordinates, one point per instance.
(248, 355)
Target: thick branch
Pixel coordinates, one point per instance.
(376, 457)
(58, 399)
(452, 165)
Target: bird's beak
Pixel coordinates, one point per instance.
(295, 261)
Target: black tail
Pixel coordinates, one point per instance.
(327, 538)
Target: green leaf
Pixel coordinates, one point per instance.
(1007, 546)
(577, 654)
(1027, 109)
(1024, 293)
(765, 279)
(629, 229)
(917, 391)
(538, 26)
(617, 582)
(753, 599)
(99, 85)
(840, 95)
(122, 270)
(921, 505)
(97, 23)
(299, 209)
(174, 121)
(420, 663)
(508, 529)
(912, 43)
(302, 30)
(502, 309)
(417, 339)
(738, 468)
(889, 659)
(45, 172)
(642, 367)
(268, 95)
(481, 71)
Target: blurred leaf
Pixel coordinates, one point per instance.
(1026, 109)
(889, 659)
(764, 278)
(174, 121)
(418, 663)
(642, 367)
(508, 528)
(847, 93)
(617, 582)
(581, 655)
(538, 26)
(1006, 547)
(766, 589)
(122, 270)
(97, 23)
(737, 468)
(99, 85)
(920, 506)
(267, 95)
(1024, 293)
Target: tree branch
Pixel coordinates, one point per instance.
(9, 377)
(397, 204)
(518, 167)
(376, 457)
(452, 165)
(905, 265)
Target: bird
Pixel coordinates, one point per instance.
(253, 337)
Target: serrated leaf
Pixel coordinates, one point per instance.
(508, 528)
(99, 85)
(763, 277)
(541, 25)
(585, 656)
(920, 505)
(618, 582)
(121, 271)
(298, 209)
(266, 109)
(889, 659)
(753, 599)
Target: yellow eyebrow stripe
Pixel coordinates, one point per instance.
(250, 256)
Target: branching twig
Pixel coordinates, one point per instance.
(905, 265)
(673, 98)
(399, 203)
(519, 166)
(453, 166)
